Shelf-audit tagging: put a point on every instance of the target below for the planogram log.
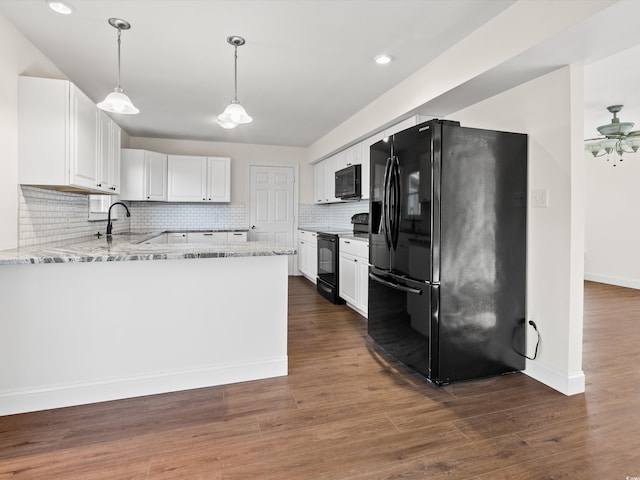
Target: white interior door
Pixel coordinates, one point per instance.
(271, 213)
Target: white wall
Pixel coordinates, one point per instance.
(18, 56)
(549, 110)
(240, 154)
(612, 224)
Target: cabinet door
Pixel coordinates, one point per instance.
(362, 281)
(133, 174)
(104, 146)
(176, 237)
(218, 179)
(114, 155)
(347, 273)
(366, 163)
(303, 251)
(108, 157)
(187, 178)
(312, 260)
(319, 181)
(155, 176)
(83, 140)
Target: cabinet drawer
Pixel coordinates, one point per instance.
(207, 237)
(236, 237)
(308, 236)
(357, 248)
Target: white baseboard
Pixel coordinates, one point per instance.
(611, 280)
(80, 394)
(570, 383)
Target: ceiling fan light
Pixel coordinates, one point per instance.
(235, 113)
(118, 102)
(608, 144)
(594, 148)
(615, 129)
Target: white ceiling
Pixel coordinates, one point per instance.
(308, 64)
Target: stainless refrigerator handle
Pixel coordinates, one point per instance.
(385, 203)
(402, 288)
(395, 180)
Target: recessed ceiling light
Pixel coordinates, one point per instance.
(60, 6)
(382, 59)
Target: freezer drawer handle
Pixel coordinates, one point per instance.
(395, 285)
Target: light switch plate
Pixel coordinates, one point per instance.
(540, 198)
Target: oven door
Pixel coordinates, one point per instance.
(328, 258)
(328, 267)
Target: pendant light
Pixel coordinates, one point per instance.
(117, 101)
(235, 113)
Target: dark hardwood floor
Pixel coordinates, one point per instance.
(346, 411)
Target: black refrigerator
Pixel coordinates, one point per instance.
(447, 256)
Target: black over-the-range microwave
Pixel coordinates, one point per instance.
(348, 184)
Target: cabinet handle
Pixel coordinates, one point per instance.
(204, 199)
(209, 199)
(148, 197)
(99, 185)
(208, 234)
(355, 260)
(346, 241)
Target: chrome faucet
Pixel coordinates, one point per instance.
(109, 226)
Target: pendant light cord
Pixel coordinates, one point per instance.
(235, 73)
(119, 32)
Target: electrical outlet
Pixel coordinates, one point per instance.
(540, 198)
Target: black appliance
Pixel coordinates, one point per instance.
(327, 282)
(348, 184)
(328, 256)
(360, 222)
(448, 250)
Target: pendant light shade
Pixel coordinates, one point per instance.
(234, 114)
(117, 101)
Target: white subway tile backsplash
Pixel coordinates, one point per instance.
(150, 216)
(334, 215)
(50, 216)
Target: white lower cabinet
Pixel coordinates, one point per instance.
(308, 254)
(353, 274)
(216, 237)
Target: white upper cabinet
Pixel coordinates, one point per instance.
(199, 179)
(319, 175)
(218, 179)
(108, 154)
(144, 175)
(61, 142)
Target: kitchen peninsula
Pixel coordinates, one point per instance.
(114, 318)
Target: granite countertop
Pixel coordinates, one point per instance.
(127, 247)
